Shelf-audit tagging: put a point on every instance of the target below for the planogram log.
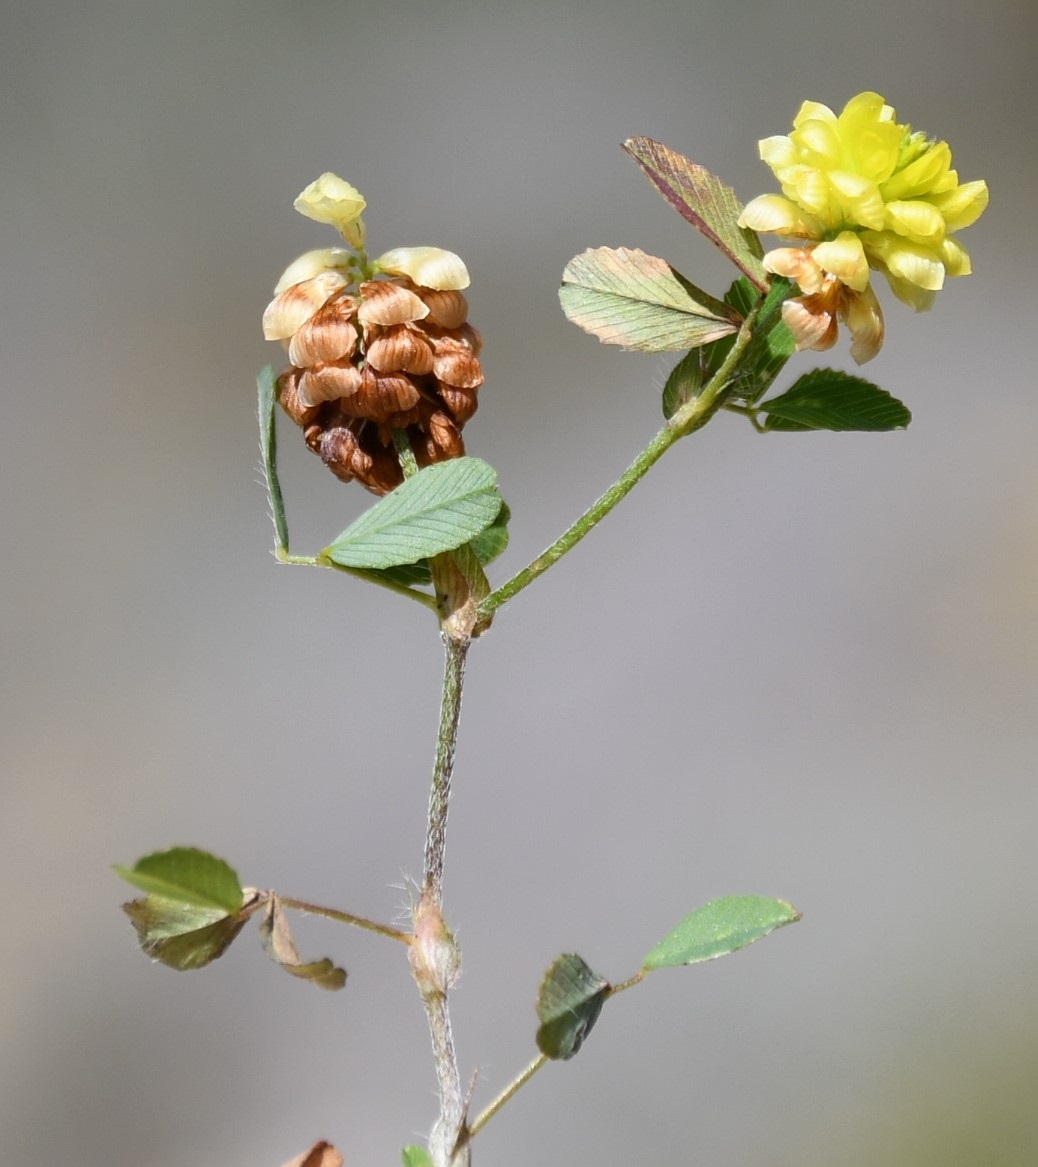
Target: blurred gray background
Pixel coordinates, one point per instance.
(803, 666)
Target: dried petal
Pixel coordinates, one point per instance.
(387, 303)
(287, 387)
(400, 349)
(462, 403)
(439, 439)
(330, 382)
(327, 336)
(454, 363)
(448, 309)
(385, 397)
(296, 304)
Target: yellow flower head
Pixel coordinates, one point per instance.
(863, 192)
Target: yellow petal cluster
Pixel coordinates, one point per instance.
(862, 191)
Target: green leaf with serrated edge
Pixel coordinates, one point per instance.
(720, 927)
(635, 300)
(416, 1157)
(568, 1004)
(187, 875)
(182, 936)
(828, 399)
(276, 938)
(701, 198)
(487, 545)
(268, 448)
(436, 510)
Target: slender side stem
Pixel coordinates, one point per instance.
(691, 416)
(345, 918)
(512, 1088)
(374, 577)
(455, 652)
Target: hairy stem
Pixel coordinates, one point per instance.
(434, 956)
(455, 652)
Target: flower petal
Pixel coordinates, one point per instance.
(844, 257)
(331, 199)
(429, 267)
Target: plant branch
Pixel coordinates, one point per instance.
(345, 918)
(509, 1091)
(691, 416)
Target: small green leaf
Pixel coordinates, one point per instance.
(628, 298)
(186, 875)
(489, 544)
(268, 448)
(416, 1157)
(568, 1004)
(276, 938)
(685, 381)
(709, 204)
(436, 510)
(828, 399)
(183, 936)
(720, 927)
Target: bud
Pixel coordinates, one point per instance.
(332, 200)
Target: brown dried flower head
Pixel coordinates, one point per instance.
(376, 346)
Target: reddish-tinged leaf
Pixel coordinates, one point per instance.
(626, 297)
(709, 204)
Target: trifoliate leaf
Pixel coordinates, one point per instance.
(709, 204)
(436, 510)
(268, 449)
(278, 944)
(568, 1004)
(186, 875)
(183, 936)
(720, 927)
(628, 298)
(828, 399)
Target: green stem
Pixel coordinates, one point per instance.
(404, 453)
(345, 918)
(509, 1091)
(691, 416)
